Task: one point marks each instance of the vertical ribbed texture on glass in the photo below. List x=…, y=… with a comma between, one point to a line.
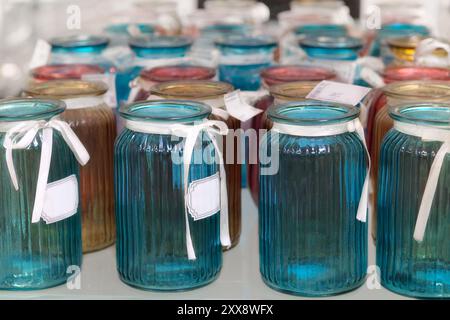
x=35, y=256
x=150, y=215
x=408, y=267
x=310, y=240
x=96, y=128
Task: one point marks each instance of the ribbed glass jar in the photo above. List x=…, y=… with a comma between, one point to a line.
x=150, y=77
x=279, y=93
x=212, y=93
x=410, y=267
x=242, y=58
x=150, y=204
x=94, y=123
x=311, y=242
x=63, y=72
x=34, y=255
x=392, y=94
x=150, y=52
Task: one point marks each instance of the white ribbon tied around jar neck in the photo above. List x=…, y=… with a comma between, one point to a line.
x=191, y=134
x=20, y=135
x=331, y=130
x=427, y=134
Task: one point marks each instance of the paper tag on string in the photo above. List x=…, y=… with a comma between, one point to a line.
x=238, y=108
x=41, y=54
x=338, y=92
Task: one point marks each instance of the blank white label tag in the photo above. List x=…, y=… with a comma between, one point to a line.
x=134, y=31
x=239, y=109
x=204, y=197
x=61, y=199
x=110, y=80
x=41, y=54
x=338, y=92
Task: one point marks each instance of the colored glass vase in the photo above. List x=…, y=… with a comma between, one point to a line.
x=36, y=252
x=413, y=251
x=311, y=242
x=212, y=93
x=94, y=123
x=164, y=240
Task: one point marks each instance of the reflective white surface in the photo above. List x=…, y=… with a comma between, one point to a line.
x=239, y=279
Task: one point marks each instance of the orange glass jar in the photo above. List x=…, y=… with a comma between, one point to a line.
x=212, y=93
x=94, y=123
x=391, y=95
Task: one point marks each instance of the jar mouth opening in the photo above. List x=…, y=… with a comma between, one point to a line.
x=191, y=89
x=29, y=109
x=160, y=42
x=416, y=73
x=292, y=90
x=66, y=89
x=65, y=71
x=79, y=41
x=404, y=29
x=122, y=28
x=247, y=42
x=409, y=42
x=328, y=42
x=291, y=73
x=170, y=111
x=226, y=28
x=418, y=90
x=312, y=113
x=178, y=72
x=320, y=28
x=429, y=114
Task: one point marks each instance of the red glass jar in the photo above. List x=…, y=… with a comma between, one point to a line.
x=63, y=72
x=150, y=77
x=291, y=73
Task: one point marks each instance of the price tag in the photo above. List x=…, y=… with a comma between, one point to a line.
x=134, y=30
x=61, y=200
x=204, y=197
x=338, y=92
x=239, y=109
x=41, y=54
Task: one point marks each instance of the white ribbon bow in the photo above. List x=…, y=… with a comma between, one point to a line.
x=427, y=134
x=425, y=56
x=20, y=135
x=191, y=133
x=330, y=130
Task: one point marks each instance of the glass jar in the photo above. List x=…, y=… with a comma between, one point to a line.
x=35, y=254
x=150, y=52
x=405, y=73
x=337, y=30
x=331, y=48
x=292, y=73
x=150, y=77
x=153, y=223
x=279, y=93
x=120, y=33
x=89, y=117
x=243, y=58
x=413, y=254
x=396, y=93
x=212, y=93
x=63, y=72
x=84, y=49
x=401, y=50
x=312, y=244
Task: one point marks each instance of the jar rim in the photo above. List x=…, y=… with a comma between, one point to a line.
x=191, y=89
x=65, y=71
x=159, y=42
x=329, y=42
x=226, y=27
x=302, y=73
x=405, y=73
x=431, y=89
x=66, y=89
x=247, y=42
x=177, y=72
x=429, y=114
x=122, y=27
x=79, y=41
x=292, y=90
x=27, y=109
x=312, y=113
x=410, y=42
x=177, y=111
x=319, y=27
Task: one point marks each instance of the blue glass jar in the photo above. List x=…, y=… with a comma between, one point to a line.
x=85, y=49
x=395, y=30
x=337, y=30
x=35, y=255
x=331, y=48
x=242, y=58
x=120, y=33
x=413, y=253
x=311, y=242
x=152, y=225
x=150, y=52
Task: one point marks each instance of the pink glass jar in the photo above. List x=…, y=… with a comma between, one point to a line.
x=63, y=72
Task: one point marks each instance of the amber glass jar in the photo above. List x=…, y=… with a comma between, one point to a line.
x=93, y=121
x=150, y=77
x=391, y=95
x=403, y=49
x=212, y=93
x=279, y=93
